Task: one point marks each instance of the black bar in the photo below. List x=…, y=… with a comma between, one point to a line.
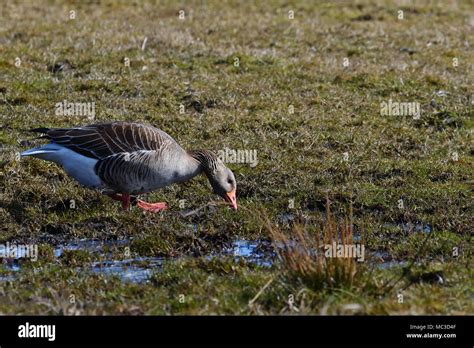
x=239, y=329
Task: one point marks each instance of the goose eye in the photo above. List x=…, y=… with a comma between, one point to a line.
x=229, y=181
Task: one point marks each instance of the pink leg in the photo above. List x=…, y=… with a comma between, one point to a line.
x=124, y=198
x=125, y=201
x=153, y=207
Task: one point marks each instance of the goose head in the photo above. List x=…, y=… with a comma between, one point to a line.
x=220, y=177
x=223, y=183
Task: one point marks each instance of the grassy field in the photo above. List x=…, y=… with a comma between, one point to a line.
x=301, y=83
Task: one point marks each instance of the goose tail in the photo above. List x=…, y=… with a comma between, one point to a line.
x=41, y=152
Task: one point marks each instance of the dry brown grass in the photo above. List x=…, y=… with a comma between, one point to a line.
x=303, y=253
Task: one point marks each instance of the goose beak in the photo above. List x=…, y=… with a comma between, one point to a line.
x=231, y=198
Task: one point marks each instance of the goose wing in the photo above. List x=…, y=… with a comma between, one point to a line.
x=103, y=140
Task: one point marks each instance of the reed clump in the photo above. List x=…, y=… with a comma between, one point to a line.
x=320, y=257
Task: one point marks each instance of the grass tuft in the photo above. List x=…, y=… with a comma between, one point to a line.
x=304, y=253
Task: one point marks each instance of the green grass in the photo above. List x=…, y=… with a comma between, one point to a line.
x=282, y=63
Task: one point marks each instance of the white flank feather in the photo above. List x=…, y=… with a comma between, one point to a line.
x=76, y=165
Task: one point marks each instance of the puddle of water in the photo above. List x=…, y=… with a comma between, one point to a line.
x=251, y=251
x=410, y=227
x=10, y=265
x=135, y=270
x=130, y=270
x=384, y=260
x=285, y=218
x=391, y=264
x=141, y=269
x=87, y=245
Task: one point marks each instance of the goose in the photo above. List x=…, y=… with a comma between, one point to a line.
x=126, y=159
